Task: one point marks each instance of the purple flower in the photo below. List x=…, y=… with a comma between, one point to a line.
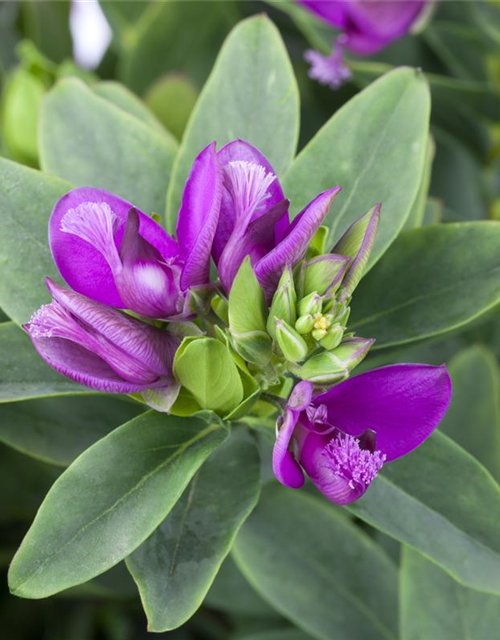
x=101, y=347
x=343, y=437
x=254, y=219
x=109, y=251
x=367, y=26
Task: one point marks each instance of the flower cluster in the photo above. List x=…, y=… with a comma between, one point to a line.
x=144, y=317
x=366, y=27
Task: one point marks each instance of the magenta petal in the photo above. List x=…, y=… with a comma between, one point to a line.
x=402, y=404
x=239, y=150
x=152, y=348
x=294, y=245
x=332, y=11
x=198, y=217
x=286, y=469
x=83, y=266
x=336, y=488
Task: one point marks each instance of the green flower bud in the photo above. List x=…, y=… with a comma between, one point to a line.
x=305, y=324
x=248, y=317
x=353, y=350
x=324, y=368
x=333, y=337
x=284, y=302
x=310, y=304
x=220, y=307
x=291, y=343
x=318, y=334
x=343, y=316
x=318, y=243
x=322, y=274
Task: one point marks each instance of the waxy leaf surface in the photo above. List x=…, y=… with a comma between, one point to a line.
x=91, y=142
x=431, y=280
x=442, y=502
x=433, y=605
x=356, y=150
x=251, y=94
x=175, y=567
x=57, y=430
x=110, y=500
x=26, y=201
x=318, y=569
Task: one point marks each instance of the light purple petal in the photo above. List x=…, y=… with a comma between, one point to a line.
x=258, y=240
x=81, y=264
x=146, y=284
x=286, y=469
x=152, y=348
x=294, y=245
x=235, y=151
x=328, y=70
x=198, y=217
x=402, y=404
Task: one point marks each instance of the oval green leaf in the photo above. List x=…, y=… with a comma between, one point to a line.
x=110, y=500
x=175, y=567
x=356, y=149
x=431, y=280
x=433, y=605
x=251, y=94
x=473, y=419
x=89, y=141
x=311, y=563
x=442, y=502
x=57, y=430
x=26, y=201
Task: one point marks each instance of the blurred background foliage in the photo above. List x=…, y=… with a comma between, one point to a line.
x=162, y=53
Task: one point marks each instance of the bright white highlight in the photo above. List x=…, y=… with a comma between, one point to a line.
x=90, y=31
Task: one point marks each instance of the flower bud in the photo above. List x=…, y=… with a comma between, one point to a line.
x=291, y=343
x=333, y=337
x=322, y=274
x=352, y=351
x=305, y=324
x=284, y=302
x=324, y=368
x=312, y=304
x=248, y=317
x=318, y=243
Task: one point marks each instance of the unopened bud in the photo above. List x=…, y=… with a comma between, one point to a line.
x=305, y=324
x=352, y=351
x=333, y=337
x=291, y=343
x=284, y=302
x=318, y=243
x=324, y=368
x=312, y=304
x=323, y=274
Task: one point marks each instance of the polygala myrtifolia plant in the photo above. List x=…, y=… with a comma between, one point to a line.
x=234, y=336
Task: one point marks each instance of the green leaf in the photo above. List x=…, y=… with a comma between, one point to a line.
x=232, y=594
x=356, y=150
x=57, y=430
x=26, y=201
x=433, y=605
x=205, y=367
x=431, y=280
x=161, y=41
x=172, y=99
x=110, y=500
x=417, y=213
x=311, y=564
x=251, y=94
x=442, y=502
x=88, y=140
x=23, y=485
x=23, y=373
x=123, y=98
x=277, y=634
x=473, y=419
x=175, y=567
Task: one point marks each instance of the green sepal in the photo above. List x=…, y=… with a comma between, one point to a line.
x=353, y=350
x=324, y=368
x=292, y=344
x=317, y=245
x=248, y=317
x=220, y=307
x=284, y=303
x=322, y=274
x=304, y=324
x=205, y=367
